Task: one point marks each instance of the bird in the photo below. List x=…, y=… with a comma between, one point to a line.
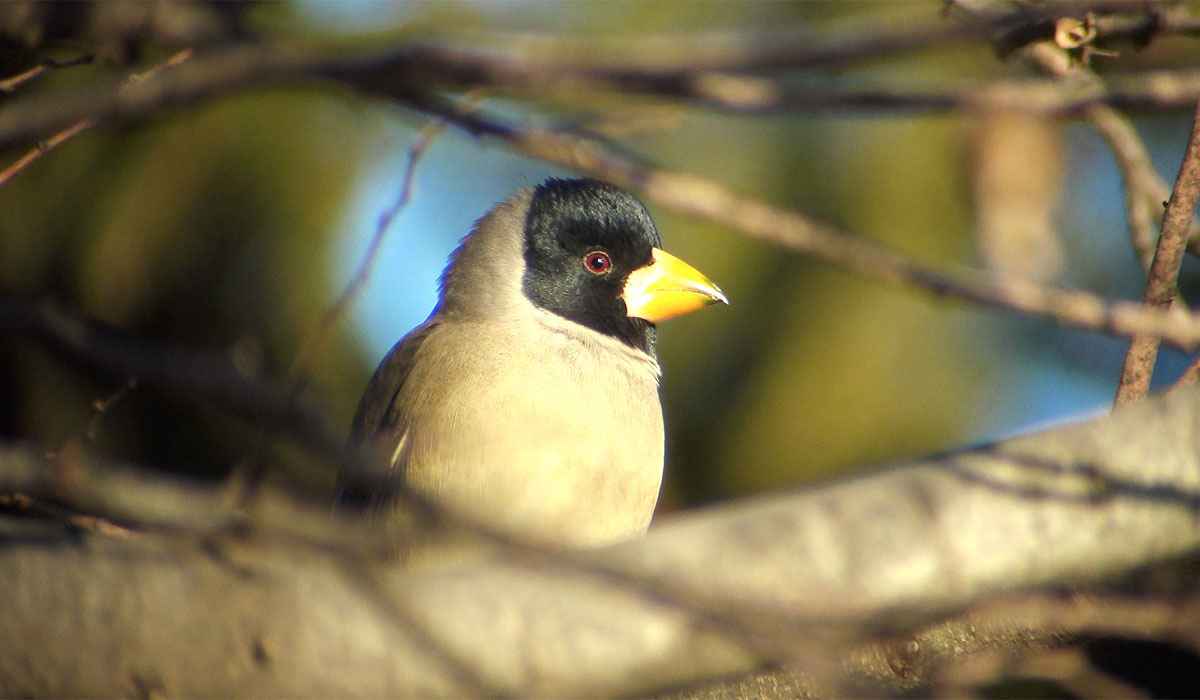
x=529, y=400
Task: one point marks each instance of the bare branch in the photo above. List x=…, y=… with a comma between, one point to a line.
x=816, y=573
x=835, y=579
x=432, y=66
x=333, y=315
x=81, y=126
x=246, y=65
x=805, y=47
x=1163, y=279
x=1051, y=496
x=34, y=154
x=192, y=373
x=1142, y=183
x=711, y=201
x=8, y=85
x=411, y=67
x=1169, y=619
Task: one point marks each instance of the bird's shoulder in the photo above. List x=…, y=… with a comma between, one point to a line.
x=378, y=408
x=378, y=425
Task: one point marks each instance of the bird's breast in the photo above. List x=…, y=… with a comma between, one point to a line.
x=560, y=441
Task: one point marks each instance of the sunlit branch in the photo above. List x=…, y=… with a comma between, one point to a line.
x=1163, y=279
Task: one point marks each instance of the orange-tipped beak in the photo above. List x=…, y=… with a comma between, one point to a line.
x=668, y=287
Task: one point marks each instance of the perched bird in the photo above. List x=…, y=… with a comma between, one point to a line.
x=529, y=400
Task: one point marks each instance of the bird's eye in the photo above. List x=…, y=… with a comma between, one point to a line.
x=597, y=262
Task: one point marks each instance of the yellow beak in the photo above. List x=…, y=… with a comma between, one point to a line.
x=668, y=287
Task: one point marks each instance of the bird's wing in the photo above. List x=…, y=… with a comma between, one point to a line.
x=379, y=427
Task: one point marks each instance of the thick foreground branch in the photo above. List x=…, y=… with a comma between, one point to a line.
x=294, y=600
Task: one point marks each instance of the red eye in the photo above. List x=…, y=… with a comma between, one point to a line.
x=597, y=262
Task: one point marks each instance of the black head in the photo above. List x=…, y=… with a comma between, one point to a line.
x=582, y=239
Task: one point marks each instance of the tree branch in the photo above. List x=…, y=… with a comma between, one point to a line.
x=10, y=84
x=1163, y=279
x=395, y=73
x=803, y=47
x=281, y=601
x=83, y=125
x=711, y=201
x=410, y=66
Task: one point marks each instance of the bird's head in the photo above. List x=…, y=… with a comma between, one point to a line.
x=593, y=255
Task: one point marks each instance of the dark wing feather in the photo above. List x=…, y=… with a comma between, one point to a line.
x=378, y=422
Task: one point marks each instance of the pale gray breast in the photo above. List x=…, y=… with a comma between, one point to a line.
x=537, y=426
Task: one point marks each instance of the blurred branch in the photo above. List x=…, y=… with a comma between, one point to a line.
x=407, y=73
x=1172, y=619
x=781, y=594
x=85, y=124
x=432, y=67
x=426, y=67
x=194, y=374
x=822, y=576
x=218, y=72
x=43, y=147
x=276, y=410
x=792, y=48
x=9, y=85
x=1142, y=185
x=805, y=47
x=711, y=201
x=1163, y=279
x=1145, y=191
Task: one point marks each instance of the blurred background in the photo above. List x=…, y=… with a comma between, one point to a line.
x=232, y=226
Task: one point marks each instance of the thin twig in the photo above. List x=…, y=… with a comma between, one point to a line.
x=247, y=478
x=175, y=59
x=27, y=505
x=9, y=85
x=333, y=315
x=1163, y=279
x=34, y=154
x=63, y=463
x=710, y=201
x=1144, y=188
